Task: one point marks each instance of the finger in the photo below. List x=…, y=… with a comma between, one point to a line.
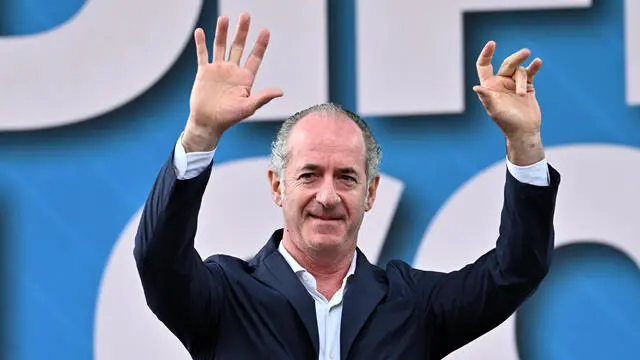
x=511, y=63
x=532, y=69
x=483, y=64
x=486, y=98
x=484, y=94
x=235, y=54
x=220, y=41
x=520, y=78
x=263, y=97
x=257, y=54
x=201, y=47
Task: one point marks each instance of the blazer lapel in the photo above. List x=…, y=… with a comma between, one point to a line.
x=365, y=290
x=273, y=270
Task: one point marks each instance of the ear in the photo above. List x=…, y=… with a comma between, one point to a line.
x=372, y=189
x=274, y=182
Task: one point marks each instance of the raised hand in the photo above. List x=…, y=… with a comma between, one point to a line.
x=222, y=91
x=510, y=100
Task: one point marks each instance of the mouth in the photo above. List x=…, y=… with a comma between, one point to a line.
x=325, y=218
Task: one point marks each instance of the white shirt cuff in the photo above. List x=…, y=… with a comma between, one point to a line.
x=535, y=174
x=190, y=165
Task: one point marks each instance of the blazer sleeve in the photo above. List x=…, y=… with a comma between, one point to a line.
x=469, y=302
x=184, y=292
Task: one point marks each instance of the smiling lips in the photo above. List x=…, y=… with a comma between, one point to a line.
x=326, y=217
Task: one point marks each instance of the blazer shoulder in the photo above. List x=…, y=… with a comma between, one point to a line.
x=229, y=264
x=399, y=272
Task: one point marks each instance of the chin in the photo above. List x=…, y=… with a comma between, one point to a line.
x=325, y=240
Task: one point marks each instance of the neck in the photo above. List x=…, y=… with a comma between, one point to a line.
x=329, y=267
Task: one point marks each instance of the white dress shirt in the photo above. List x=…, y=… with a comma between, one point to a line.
x=329, y=312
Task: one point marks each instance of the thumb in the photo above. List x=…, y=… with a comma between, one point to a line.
x=260, y=99
x=485, y=95
x=482, y=92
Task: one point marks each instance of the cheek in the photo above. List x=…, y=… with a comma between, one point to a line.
x=295, y=201
x=355, y=203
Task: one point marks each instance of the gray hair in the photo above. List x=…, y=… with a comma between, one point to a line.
x=280, y=151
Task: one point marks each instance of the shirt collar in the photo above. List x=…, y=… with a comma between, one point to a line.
x=297, y=268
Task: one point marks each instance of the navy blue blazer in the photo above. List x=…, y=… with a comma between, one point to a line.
x=228, y=308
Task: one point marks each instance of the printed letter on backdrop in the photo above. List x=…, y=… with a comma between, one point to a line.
x=415, y=47
x=102, y=58
x=578, y=217
x=632, y=50
x=297, y=58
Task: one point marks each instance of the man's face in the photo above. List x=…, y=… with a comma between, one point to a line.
x=325, y=185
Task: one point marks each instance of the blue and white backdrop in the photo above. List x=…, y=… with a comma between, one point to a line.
x=94, y=94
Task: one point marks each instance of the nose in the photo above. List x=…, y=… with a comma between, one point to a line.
x=327, y=195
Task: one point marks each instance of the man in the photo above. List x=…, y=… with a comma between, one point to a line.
x=310, y=293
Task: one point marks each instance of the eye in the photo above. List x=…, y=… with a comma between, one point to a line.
x=306, y=176
x=348, y=178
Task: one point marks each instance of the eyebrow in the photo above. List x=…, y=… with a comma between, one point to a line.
x=309, y=167
x=348, y=171
x=313, y=167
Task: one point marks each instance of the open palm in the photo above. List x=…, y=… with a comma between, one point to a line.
x=509, y=96
x=222, y=91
